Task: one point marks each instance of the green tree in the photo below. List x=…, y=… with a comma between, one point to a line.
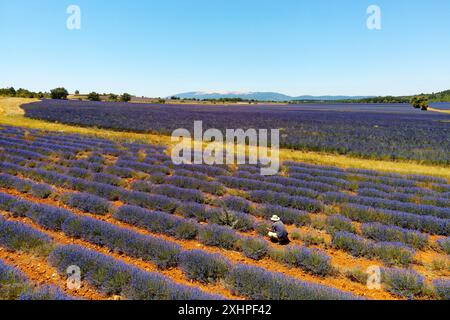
x=77, y=92
x=125, y=97
x=59, y=93
x=113, y=97
x=420, y=102
x=94, y=96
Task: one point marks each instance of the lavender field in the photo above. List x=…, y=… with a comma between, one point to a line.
x=141, y=228
x=395, y=132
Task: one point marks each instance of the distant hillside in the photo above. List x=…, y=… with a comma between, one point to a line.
x=443, y=96
x=258, y=96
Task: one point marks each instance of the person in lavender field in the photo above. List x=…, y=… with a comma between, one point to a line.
x=278, y=233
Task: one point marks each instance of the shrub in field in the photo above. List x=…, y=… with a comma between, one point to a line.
x=312, y=261
x=237, y=204
x=142, y=186
x=203, y=267
x=253, y=248
x=102, y=190
x=158, y=222
x=179, y=193
x=286, y=200
x=403, y=283
x=23, y=186
x=151, y=201
x=194, y=210
x=393, y=253
x=10, y=168
x=41, y=191
x=185, y=229
x=335, y=223
x=218, y=236
x=287, y=215
x=442, y=288
x=311, y=238
x=87, y=203
x=107, y=179
x=12, y=282
x=357, y=275
x=48, y=217
x=351, y=243
x=120, y=172
x=158, y=178
x=444, y=244
x=97, y=158
x=259, y=284
x=79, y=173
x=20, y=208
x=19, y=237
x=7, y=181
x=45, y=292
x=380, y=232
x=262, y=228
x=237, y=220
x=6, y=201
x=114, y=277
x=161, y=252
x=211, y=187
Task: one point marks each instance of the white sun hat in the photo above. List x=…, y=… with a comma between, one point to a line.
x=275, y=218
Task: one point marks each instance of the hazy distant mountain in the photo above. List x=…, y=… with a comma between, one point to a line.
x=259, y=96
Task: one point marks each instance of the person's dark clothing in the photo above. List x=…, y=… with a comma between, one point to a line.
x=279, y=228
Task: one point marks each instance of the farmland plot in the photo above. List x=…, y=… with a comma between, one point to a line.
x=139, y=227
x=392, y=132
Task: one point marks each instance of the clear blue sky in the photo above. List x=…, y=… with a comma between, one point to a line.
x=161, y=47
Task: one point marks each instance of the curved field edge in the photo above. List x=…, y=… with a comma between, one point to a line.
x=11, y=114
x=439, y=110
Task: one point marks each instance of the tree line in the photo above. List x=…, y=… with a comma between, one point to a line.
x=62, y=94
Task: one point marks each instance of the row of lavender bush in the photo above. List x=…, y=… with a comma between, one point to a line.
x=392, y=253
x=379, y=203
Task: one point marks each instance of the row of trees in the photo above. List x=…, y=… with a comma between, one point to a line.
x=22, y=93
x=61, y=94
x=94, y=96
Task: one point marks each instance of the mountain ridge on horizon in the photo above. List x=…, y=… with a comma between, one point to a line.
x=259, y=96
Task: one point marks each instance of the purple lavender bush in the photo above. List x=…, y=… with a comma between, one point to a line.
x=203, y=267
x=17, y=236
x=404, y=283
x=218, y=236
x=253, y=248
x=312, y=261
x=113, y=277
x=259, y=284
x=87, y=203
x=442, y=288
x=162, y=253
